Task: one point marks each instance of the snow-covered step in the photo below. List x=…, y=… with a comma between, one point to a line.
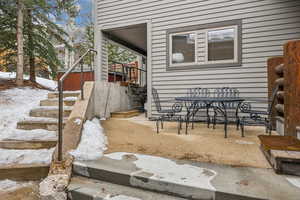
x=49, y=124
x=82, y=188
x=27, y=135
x=68, y=101
x=23, y=144
x=24, y=172
x=25, y=164
x=32, y=156
x=49, y=111
x=66, y=94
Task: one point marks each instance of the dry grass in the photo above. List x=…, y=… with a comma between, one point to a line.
x=137, y=135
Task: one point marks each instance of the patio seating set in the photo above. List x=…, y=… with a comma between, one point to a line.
x=214, y=106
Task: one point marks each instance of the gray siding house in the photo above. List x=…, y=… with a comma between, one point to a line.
x=198, y=43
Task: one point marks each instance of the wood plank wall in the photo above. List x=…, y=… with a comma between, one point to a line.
x=292, y=87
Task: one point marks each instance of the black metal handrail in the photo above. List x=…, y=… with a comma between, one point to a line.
x=60, y=97
x=126, y=72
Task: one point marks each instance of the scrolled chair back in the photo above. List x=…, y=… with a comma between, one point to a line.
x=198, y=92
x=156, y=99
x=227, y=92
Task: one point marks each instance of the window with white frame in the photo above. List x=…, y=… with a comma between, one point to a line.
x=217, y=44
x=221, y=45
x=182, y=48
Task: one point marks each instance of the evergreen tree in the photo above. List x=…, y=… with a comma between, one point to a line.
x=40, y=32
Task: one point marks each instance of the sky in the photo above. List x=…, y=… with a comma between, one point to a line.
x=81, y=21
x=85, y=10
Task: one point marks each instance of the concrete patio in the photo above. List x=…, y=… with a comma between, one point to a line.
x=138, y=135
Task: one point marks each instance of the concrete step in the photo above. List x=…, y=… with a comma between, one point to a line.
x=22, y=144
x=49, y=111
x=24, y=172
x=49, y=124
x=184, y=179
x=68, y=101
x=52, y=95
x=125, y=114
x=127, y=174
x=83, y=188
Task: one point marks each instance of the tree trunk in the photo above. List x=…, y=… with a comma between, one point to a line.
x=31, y=48
x=20, y=61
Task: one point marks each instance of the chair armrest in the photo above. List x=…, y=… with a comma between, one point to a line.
x=177, y=107
x=245, y=107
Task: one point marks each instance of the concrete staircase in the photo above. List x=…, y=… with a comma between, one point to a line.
x=128, y=178
x=105, y=179
x=41, y=120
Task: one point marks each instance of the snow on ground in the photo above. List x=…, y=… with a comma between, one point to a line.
x=294, y=181
x=42, y=81
x=70, y=98
x=41, y=156
x=7, y=185
x=120, y=197
x=170, y=171
x=93, y=141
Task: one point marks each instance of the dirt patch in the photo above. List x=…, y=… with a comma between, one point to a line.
x=8, y=84
x=201, y=144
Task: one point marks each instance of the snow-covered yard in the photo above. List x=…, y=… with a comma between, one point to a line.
x=42, y=81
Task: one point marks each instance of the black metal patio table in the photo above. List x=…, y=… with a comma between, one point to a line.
x=218, y=103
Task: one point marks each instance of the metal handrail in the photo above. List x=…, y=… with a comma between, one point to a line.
x=60, y=97
x=128, y=71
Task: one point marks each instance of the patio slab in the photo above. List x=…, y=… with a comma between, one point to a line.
x=187, y=179
x=138, y=135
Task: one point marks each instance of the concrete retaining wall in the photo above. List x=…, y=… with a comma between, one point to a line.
x=111, y=97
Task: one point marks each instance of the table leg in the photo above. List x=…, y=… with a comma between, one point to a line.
x=237, y=118
x=225, y=118
x=207, y=115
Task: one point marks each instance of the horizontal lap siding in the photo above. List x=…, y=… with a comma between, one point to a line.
x=104, y=69
x=266, y=26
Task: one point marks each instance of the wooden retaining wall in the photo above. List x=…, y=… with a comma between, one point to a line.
x=285, y=71
x=292, y=87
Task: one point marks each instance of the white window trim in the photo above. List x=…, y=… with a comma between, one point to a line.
x=235, y=60
x=171, y=64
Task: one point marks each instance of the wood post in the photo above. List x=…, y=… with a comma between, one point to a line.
x=292, y=87
x=273, y=64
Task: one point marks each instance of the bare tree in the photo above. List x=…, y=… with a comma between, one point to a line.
x=20, y=61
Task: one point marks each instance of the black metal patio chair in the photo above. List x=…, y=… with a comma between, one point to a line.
x=231, y=107
x=194, y=108
x=166, y=114
x=258, y=117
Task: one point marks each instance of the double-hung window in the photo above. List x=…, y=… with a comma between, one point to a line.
x=213, y=45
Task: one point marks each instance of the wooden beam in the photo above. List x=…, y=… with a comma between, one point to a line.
x=292, y=87
x=273, y=64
